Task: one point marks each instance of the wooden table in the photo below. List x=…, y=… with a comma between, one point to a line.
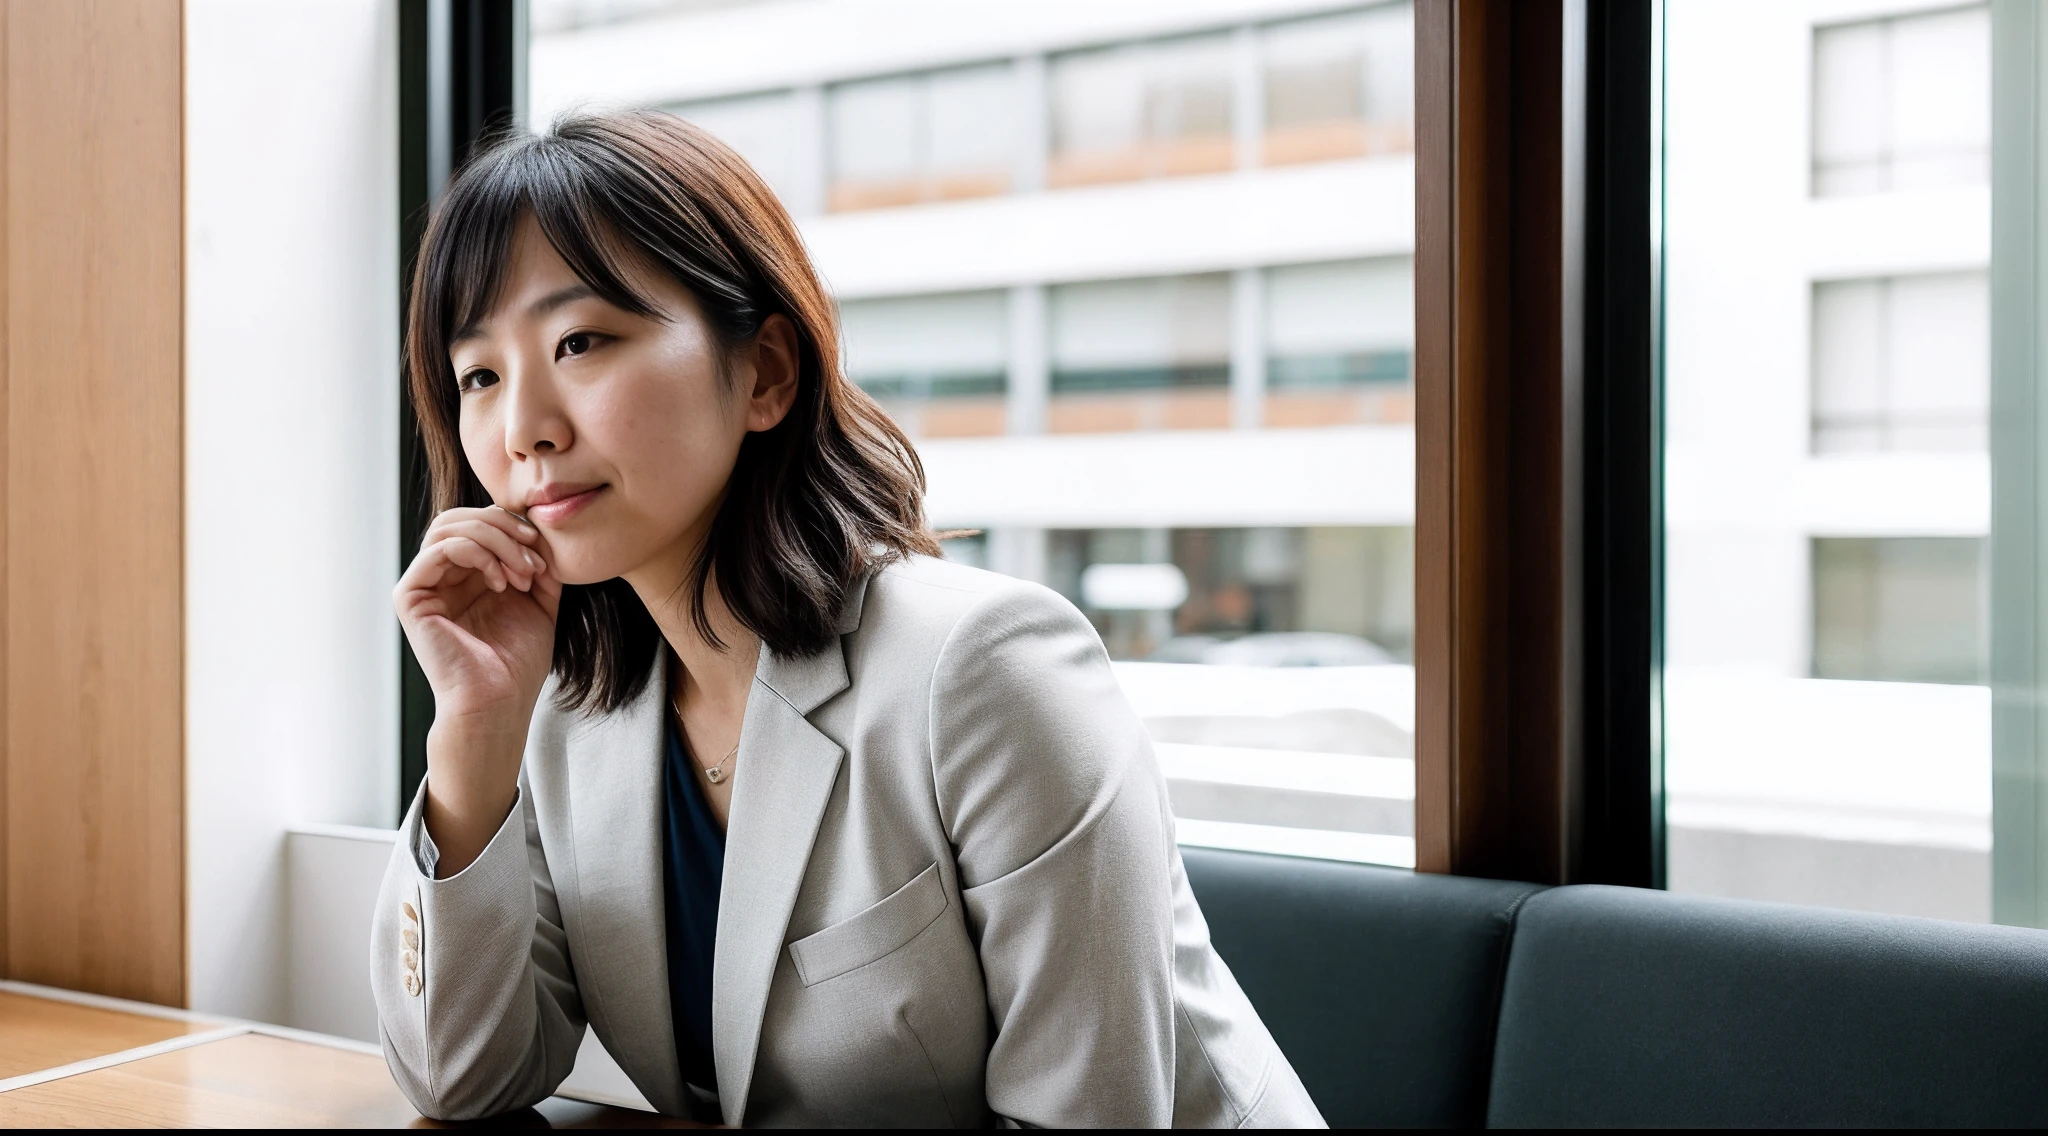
x=76, y=1061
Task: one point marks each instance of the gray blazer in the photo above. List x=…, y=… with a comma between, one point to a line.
x=952, y=895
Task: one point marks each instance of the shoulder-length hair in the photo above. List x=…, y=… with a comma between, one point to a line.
x=812, y=505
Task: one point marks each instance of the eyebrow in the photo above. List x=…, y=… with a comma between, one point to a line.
x=548, y=303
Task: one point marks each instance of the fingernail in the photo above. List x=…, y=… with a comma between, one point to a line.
x=532, y=561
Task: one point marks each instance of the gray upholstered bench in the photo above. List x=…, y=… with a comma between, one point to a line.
x=1415, y=1000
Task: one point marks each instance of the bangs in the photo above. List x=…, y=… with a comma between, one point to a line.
x=465, y=268
x=595, y=212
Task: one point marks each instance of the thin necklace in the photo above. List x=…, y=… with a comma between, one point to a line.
x=716, y=774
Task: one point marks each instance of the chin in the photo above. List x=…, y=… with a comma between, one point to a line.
x=578, y=566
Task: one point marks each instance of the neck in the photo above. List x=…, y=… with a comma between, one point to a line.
x=711, y=676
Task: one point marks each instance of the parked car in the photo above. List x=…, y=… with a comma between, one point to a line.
x=1275, y=649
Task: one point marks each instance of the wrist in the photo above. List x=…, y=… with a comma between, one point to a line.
x=472, y=785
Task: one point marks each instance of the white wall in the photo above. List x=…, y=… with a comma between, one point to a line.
x=290, y=461
x=335, y=871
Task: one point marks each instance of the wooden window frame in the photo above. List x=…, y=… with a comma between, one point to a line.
x=1537, y=443
x=462, y=73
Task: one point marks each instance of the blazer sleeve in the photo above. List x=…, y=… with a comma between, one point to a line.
x=1058, y=813
x=476, y=999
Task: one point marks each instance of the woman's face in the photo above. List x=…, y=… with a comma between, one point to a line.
x=614, y=433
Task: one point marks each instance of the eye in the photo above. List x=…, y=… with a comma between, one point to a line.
x=476, y=380
x=574, y=343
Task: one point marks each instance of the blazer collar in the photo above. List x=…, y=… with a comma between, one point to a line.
x=808, y=682
x=782, y=782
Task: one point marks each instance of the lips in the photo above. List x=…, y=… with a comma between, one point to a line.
x=554, y=503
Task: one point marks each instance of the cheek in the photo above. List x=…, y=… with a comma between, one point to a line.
x=671, y=440
x=482, y=444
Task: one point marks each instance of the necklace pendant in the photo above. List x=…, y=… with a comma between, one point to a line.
x=715, y=776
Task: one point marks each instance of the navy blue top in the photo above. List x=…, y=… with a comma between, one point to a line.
x=693, y=862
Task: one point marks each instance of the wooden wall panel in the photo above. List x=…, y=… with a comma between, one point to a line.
x=93, y=494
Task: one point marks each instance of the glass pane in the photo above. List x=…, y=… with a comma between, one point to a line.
x=1827, y=500
x=1123, y=382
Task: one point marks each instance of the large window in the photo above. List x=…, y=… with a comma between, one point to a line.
x=1130, y=287
x=1828, y=374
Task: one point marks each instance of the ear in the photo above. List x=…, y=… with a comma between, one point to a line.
x=775, y=369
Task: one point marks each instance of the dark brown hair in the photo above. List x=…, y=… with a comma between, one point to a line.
x=812, y=505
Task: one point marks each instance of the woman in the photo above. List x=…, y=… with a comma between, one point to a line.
x=811, y=826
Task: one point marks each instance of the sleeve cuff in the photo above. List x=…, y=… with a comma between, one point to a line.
x=425, y=855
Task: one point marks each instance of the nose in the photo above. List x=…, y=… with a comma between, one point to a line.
x=536, y=422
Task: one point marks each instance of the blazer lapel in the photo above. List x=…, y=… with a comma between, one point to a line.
x=782, y=781
x=615, y=804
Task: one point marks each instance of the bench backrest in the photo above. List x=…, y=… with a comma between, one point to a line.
x=1381, y=986
x=1419, y=1000
x=1626, y=1007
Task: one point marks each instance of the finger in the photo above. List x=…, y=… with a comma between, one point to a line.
x=521, y=528
x=514, y=525
x=445, y=518
x=467, y=553
x=547, y=592
x=438, y=577
x=519, y=561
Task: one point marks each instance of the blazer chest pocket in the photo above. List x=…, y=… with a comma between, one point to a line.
x=872, y=934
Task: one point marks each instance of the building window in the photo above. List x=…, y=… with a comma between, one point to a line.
x=1340, y=342
x=764, y=129
x=1892, y=109
x=1901, y=363
x=1900, y=609
x=1140, y=354
x=936, y=362
x=929, y=137
x=1339, y=86
x=1142, y=110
